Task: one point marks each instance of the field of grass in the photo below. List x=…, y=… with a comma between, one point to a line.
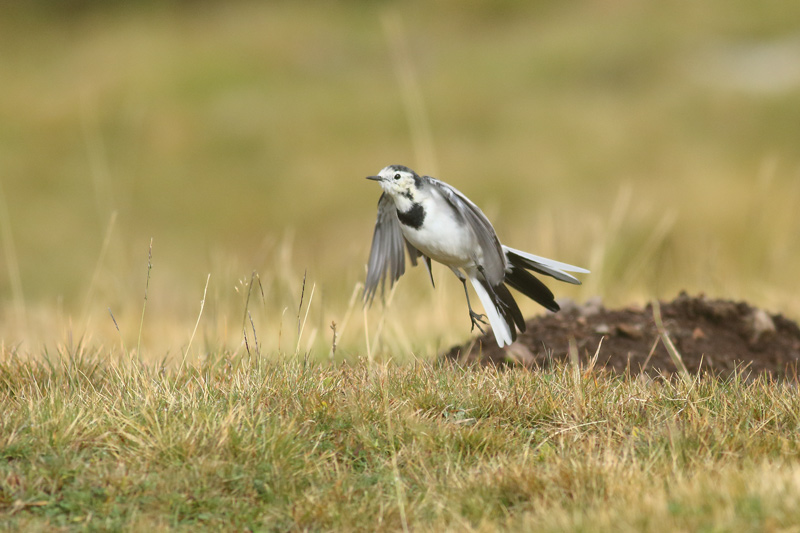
x=250, y=444
x=173, y=174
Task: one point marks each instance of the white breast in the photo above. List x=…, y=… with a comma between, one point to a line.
x=442, y=236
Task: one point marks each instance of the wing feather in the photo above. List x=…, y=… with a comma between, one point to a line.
x=387, y=255
x=493, y=257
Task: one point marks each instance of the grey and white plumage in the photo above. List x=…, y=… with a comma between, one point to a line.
x=428, y=218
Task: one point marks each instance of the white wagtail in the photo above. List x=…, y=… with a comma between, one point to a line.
x=429, y=218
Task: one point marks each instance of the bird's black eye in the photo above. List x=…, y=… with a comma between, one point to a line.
x=397, y=176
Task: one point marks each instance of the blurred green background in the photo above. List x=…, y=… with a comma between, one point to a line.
x=655, y=143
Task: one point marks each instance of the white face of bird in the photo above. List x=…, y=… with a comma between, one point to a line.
x=398, y=181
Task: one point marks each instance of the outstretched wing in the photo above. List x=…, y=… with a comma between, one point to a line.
x=387, y=256
x=493, y=257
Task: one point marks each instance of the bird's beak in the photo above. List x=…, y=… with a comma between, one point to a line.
x=375, y=178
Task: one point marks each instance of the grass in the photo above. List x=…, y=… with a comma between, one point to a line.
x=232, y=137
x=237, y=443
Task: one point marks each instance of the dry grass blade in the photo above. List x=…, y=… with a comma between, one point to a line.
x=665, y=339
x=302, y=325
x=194, y=331
x=247, y=311
x=300, y=306
x=255, y=336
x=144, y=304
x=593, y=361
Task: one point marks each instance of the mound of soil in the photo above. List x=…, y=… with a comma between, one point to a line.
x=715, y=336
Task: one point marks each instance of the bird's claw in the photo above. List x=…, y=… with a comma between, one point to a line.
x=477, y=320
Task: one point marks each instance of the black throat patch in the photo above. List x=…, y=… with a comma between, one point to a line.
x=412, y=218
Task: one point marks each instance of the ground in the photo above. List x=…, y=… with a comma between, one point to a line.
x=710, y=335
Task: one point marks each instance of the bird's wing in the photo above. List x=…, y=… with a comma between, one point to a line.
x=493, y=257
x=387, y=256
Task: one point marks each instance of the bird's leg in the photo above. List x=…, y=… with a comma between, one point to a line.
x=477, y=319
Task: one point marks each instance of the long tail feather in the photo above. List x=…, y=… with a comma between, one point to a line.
x=542, y=265
x=506, y=306
x=531, y=286
x=502, y=323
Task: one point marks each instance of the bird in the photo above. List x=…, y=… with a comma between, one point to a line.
x=425, y=217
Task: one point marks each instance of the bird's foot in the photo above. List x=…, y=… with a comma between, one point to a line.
x=477, y=320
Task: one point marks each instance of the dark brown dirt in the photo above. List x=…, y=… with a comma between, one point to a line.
x=715, y=336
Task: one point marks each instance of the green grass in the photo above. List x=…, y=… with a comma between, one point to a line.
x=237, y=443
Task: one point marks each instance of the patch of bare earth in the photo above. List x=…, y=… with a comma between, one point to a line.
x=716, y=336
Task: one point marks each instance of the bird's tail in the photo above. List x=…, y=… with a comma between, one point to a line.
x=542, y=265
x=517, y=275
x=501, y=309
x=530, y=286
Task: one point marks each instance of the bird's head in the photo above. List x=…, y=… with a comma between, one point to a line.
x=398, y=181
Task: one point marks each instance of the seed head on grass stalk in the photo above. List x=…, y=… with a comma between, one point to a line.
x=121, y=340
